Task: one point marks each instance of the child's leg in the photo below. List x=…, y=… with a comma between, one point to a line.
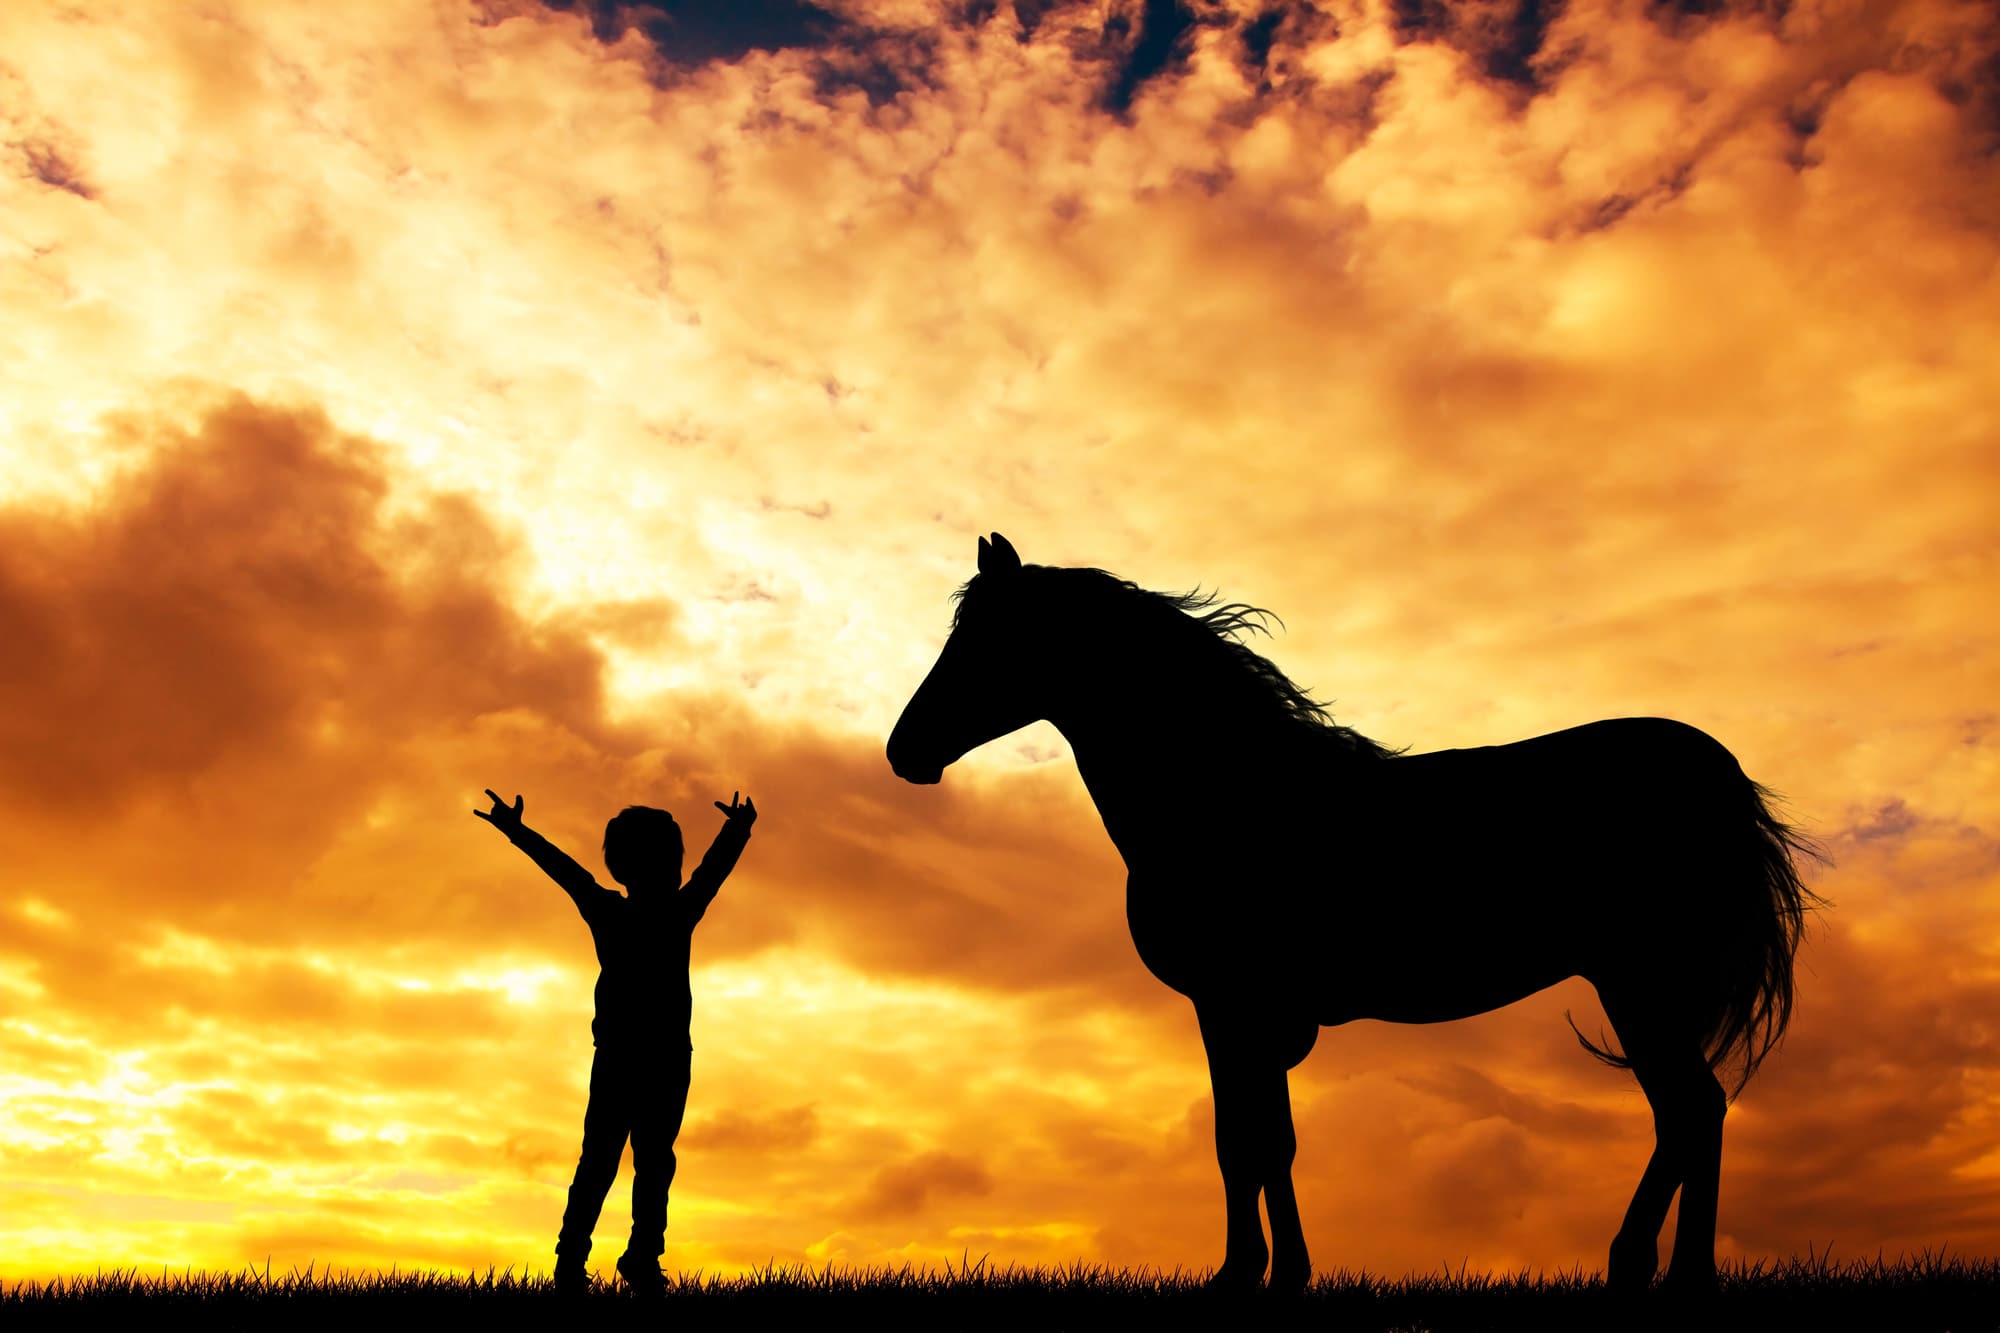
x=606, y=1121
x=656, y=1123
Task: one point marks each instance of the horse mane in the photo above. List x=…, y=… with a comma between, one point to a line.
x=1227, y=622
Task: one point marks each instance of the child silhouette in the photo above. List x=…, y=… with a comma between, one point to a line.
x=639, y=1075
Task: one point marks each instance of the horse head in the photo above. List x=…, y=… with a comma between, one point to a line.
x=981, y=687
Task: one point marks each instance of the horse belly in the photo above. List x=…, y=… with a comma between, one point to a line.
x=1455, y=955
x=1422, y=993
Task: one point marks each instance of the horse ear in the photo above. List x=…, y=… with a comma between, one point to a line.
x=998, y=557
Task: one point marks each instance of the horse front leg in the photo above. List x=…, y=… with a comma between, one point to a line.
x=1254, y=1146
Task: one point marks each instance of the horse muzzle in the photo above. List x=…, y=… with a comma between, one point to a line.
x=922, y=771
x=924, y=775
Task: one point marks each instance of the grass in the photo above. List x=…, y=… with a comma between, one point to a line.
x=1932, y=1291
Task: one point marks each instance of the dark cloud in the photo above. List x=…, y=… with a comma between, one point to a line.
x=1480, y=1097
x=222, y=667
x=1677, y=15
x=1030, y=13
x=909, y=1187
x=1503, y=36
x=1145, y=47
x=1259, y=35
x=1131, y=45
x=845, y=56
x=1976, y=86
x=785, y=1130
x=1892, y=819
x=233, y=603
x=877, y=64
x=50, y=165
x=694, y=32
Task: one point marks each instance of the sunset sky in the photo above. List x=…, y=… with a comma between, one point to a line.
x=402, y=399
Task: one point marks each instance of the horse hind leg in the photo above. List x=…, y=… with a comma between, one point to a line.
x=1699, y=1107
x=1688, y=1106
x=1635, y=1250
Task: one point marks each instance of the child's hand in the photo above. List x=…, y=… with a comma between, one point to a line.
x=745, y=813
x=502, y=816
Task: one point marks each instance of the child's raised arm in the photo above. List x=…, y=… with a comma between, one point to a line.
x=557, y=864
x=720, y=859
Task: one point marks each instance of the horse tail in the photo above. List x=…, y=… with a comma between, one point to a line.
x=1756, y=980
x=1761, y=907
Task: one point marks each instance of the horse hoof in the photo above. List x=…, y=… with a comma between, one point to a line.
x=1290, y=1279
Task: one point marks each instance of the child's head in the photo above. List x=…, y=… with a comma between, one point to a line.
x=642, y=845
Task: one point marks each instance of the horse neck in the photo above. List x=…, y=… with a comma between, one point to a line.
x=1152, y=754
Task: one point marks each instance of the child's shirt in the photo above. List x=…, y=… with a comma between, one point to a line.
x=643, y=941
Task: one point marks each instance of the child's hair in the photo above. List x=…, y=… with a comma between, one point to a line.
x=635, y=835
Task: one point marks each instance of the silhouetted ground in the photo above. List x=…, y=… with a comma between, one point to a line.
x=1931, y=1292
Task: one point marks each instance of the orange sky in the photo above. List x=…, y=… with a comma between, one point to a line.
x=399, y=400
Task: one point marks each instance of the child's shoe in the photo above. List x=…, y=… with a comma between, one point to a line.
x=643, y=1276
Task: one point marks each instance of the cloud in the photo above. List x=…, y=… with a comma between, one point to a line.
x=910, y=1187
x=786, y=1129
x=234, y=606
x=695, y=34
x=268, y=686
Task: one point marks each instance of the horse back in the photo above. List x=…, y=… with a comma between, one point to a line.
x=1466, y=879
x=1500, y=869
x=1595, y=770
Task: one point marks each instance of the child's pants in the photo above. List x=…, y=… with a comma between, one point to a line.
x=641, y=1093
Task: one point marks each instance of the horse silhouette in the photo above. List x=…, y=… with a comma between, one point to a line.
x=1351, y=881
